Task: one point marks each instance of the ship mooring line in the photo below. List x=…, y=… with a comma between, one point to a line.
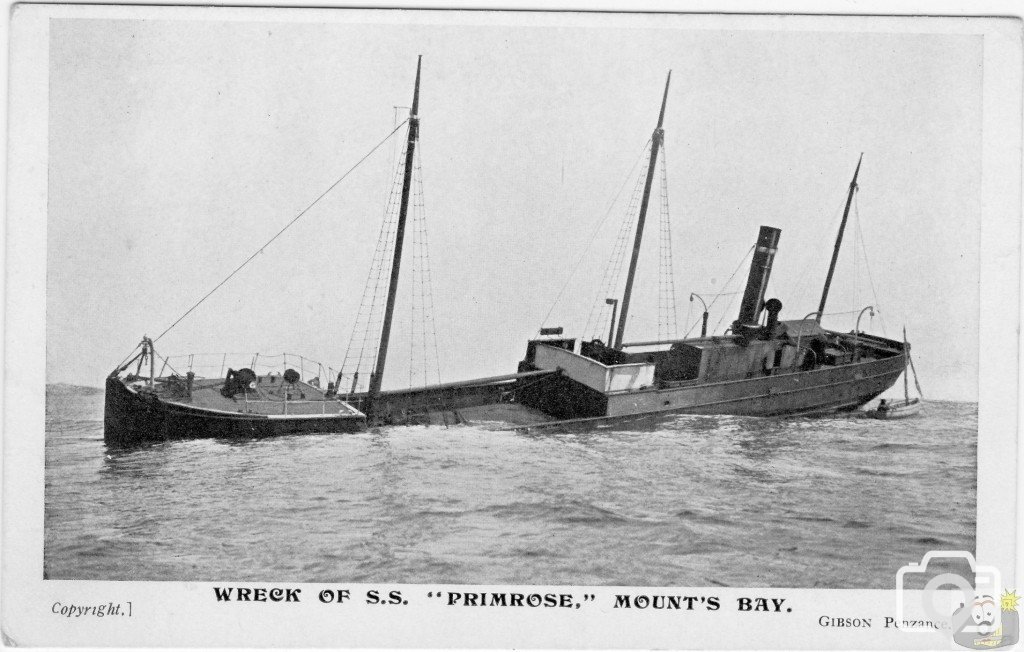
x=285, y=228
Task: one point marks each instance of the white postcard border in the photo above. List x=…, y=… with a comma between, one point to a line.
x=185, y=614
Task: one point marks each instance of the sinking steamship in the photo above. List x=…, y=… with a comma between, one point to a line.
x=765, y=366
x=762, y=366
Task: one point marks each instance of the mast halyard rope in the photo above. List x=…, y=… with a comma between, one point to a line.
x=278, y=234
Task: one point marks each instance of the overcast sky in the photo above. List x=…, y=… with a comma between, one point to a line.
x=178, y=147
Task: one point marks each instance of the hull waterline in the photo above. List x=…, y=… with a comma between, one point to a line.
x=795, y=394
x=133, y=417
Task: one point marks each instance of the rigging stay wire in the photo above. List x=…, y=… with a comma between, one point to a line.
x=613, y=270
x=810, y=255
x=668, y=311
x=424, y=330
x=285, y=228
x=731, y=294
x=425, y=257
x=867, y=265
x=375, y=281
x=856, y=264
x=723, y=294
x=597, y=229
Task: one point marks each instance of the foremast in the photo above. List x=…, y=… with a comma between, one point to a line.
x=657, y=138
x=839, y=241
x=403, y=210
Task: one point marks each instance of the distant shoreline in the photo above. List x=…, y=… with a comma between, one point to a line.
x=88, y=389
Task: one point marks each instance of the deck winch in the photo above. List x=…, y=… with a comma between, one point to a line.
x=238, y=382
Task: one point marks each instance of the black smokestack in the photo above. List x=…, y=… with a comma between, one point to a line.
x=760, y=270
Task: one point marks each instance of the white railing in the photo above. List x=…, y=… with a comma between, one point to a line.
x=216, y=365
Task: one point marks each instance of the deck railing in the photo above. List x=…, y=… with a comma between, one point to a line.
x=216, y=365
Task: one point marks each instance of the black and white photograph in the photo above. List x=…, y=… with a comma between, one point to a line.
x=461, y=308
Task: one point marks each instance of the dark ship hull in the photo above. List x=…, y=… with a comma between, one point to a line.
x=765, y=367
x=786, y=393
x=136, y=415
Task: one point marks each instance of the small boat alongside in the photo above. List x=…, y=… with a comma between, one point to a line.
x=908, y=407
x=888, y=409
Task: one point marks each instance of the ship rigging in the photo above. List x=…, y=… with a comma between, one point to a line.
x=761, y=366
x=248, y=402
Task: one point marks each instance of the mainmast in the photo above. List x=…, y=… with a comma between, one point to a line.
x=839, y=241
x=389, y=309
x=656, y=141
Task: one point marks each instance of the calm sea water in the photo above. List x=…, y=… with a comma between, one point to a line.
x=687, y=501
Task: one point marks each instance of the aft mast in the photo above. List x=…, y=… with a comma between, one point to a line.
x=839, y=241
x=389, y=310
x=656, y=141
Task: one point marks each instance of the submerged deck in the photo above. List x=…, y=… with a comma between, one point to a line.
x=272, y=396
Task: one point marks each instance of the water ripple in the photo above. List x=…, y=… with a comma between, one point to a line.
x=674, y=501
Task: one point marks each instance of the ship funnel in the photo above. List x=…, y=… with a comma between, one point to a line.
x=757, y=282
